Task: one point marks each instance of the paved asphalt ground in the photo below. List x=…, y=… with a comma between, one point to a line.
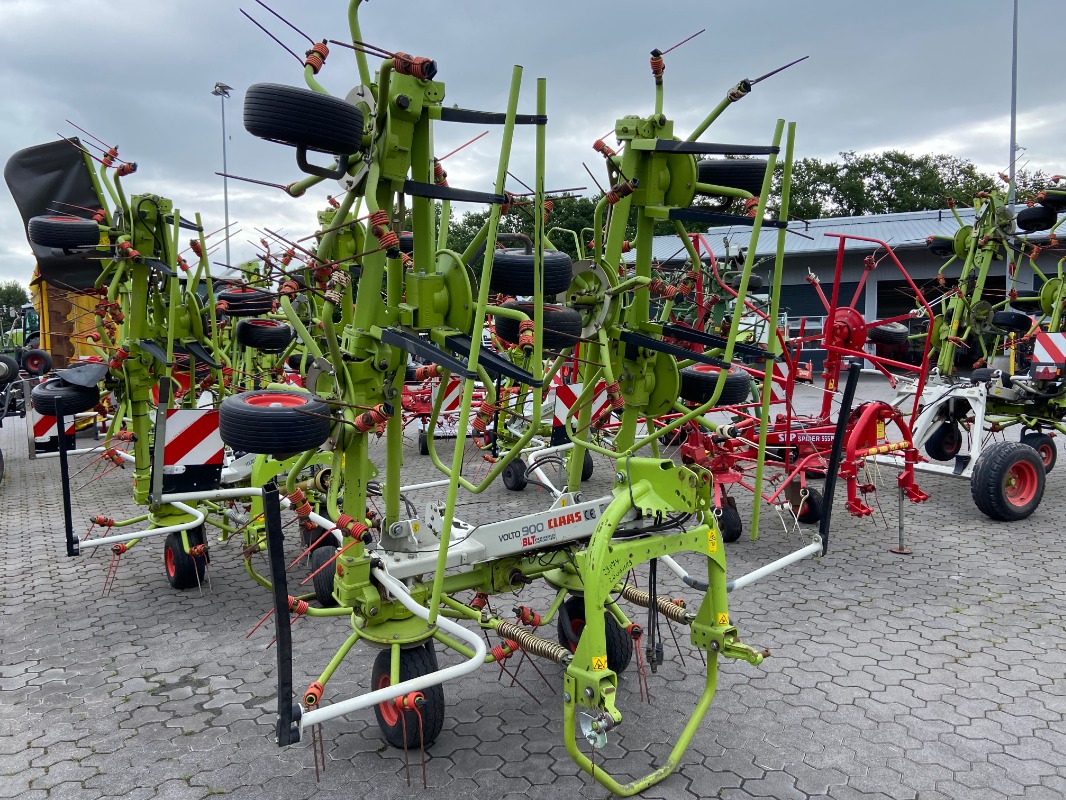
x=936, y=675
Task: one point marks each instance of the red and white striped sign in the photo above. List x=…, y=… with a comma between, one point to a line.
x=45, y=427
x=192, y=438
x=566, y=396
x=453, y=394
x=1050, y=348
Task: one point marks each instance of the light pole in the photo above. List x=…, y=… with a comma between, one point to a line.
x=222, y=91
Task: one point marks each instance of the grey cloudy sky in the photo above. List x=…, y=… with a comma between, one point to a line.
x=920, y=75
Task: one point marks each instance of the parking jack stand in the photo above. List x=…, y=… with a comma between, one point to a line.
x=901, y=549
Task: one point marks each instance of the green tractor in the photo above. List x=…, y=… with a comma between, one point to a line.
x=19, y=346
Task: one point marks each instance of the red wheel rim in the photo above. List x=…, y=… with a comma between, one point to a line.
x=276, y=399
x=264, y=323
x=34, y=363
x=387, y=708
x=1047, y=453
x=709, y=369
x=1020, y=484
x=168, y=559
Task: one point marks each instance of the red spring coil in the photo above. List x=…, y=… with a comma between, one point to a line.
x=525, y=334
x=634, y=631
x=99, y=216
x=416, y=66
x=117, y=315
x=126, y=250
x=506, y=207
x=125, y=436
x=614, y=393
x=298, y=606
x=109, y=157
x=198, y=550
x=183, y=265
x=528, y=616
x=313, y=694
x=194, y=245
x=603, y=148
x=502, y=652
x=93, y=337
x=440, y=177
x=624, y=189
x=626, y=246
x=289, y=288
x=299, y=503
x=409, y=701
x=658, y=66
x=221, y=307
x=431, y=371
x=480, y=601
x=316, y=56
x=484, y=416
x=120, y=356
x=287, y=258
x=119, y=548
x=105, y=522
x=126, y=169
x=351, y=526
x=111, y=454
x=373, y=417
x=548, y=206
x=406, y=260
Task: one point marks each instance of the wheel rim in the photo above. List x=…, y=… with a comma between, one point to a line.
x=265, y=323
x=576, y=627
x=275, y=399
x=1047, y=454
x=34, y=363
x=389, y=715
x=1020, y=484
x=168, y=558
x=706, y=369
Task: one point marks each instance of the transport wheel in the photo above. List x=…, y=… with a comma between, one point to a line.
x=185, y=571
x=945, y=443
x=889, y=333
x=72, y=399
x=1012, y=321
x=729, y=524
x=745, y=174
x=1008, y=481
x=1036, y=218
x=401, y=728
x=246, y=301
x=272, y=422
x=303, y=118
x=323, y=580
x=562, y=325
x=941, y=246
x=66, y=233
x=512, y=272
x=571, y=622
x=37, y=362
x=423, y=443
x=588, y=466
x=9, y=370
x=697, y=383
x=810, y=511
x=514, y=475
x=268, y=335
x=1045, y=447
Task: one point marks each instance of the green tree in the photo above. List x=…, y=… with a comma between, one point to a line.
x=12, y=296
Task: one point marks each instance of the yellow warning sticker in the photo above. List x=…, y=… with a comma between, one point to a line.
x=599, y=663
x=723, y=619
x=712, y=541
x=880, y=429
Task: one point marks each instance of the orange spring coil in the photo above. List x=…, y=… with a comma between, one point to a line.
x=658, y=66
x=287, y=258
x=373, y=417
x=431, y=371
x=298, y=606
x=440, y=177
x=480, y=601
x=409, y=701
x=99, y=216
x=351, y=526
x=603, y=148
x=626, y=246
x=750, y=205
x=119, y=549
x=126, y=169
x=525, y=334
x=127, y=250
x=634, y=631
x=111, y=454
x=194, y=245
x=313, y=694
x=624, y=189
x=106, y=522
x=289, y=287
x=528, y=616
x=109, y=157
x=299, y=503
x=484, y=416
x=406, y=260
x=614, y=393
x=116, y=360
x=125, y=436
x=548, y=206
x=316, y=56
x=502, y=652
x=416, y=66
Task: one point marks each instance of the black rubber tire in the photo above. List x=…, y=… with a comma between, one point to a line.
x=810, y=511
x=697, y=384
x=730, y=524
x=407, y=242
x=941, y=246
x=945, y=443
x=588, y=466
x=273, y=422
x=423, y=443
x=1036, y=218
x=184, y=571
x=571, y=622
x=1054, y=198
x=737, y=173
x=37, y=362
x=246, y=301
x=562, y=325
x=512, y=272
x=72, y=399
x=994, y=483
x=754, y=282
x=1045, y=446
x=9, y=369
x=514, y=476
x=65, y=233
x=1014, y=321
x=298, y=362
x=889, y=333
x=983, y=374
x=323, y=581
x=1027, y=301
x=1, y=466
x=267, y=335
x=414, y=663
x=303, y=118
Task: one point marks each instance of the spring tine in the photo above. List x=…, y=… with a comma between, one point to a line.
x=272, y=36
x=688, y=39
x=276, y=14
x=754, y=81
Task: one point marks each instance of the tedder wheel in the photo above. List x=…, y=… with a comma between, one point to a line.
x=408, y=731
x=729, y=523
x=588, y=466
x=1045, y=447
x=1036, y=218
x=512, y=272
x=72, y=399
x=571, y=623
x=562, y=325
x=246, y=301
x=323, y=580
x=1, y=466
x=302, y=118
x=945, y=443
x=983, y=374
x=268, y=335
x=745, y=174
x=37, y=362
x=185, y=571
x=1012, y=321
x=754, y=282
x=298, y=362
x=514, y=475
x=697, y=383
x=1008, y=481
x=65, y=233
x=273, y=422
x=888, y=333
x=423, y=443
x=941, y=246
x=9, y=369
x=810, y=510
